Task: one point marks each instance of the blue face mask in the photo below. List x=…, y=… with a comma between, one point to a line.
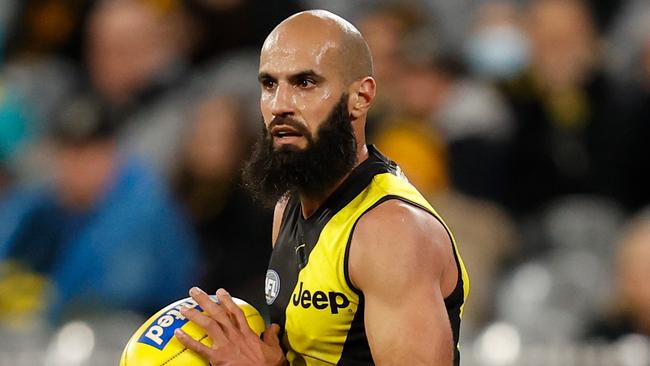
x=499, y=52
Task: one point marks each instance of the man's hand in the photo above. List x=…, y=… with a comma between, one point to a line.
x=233, y=342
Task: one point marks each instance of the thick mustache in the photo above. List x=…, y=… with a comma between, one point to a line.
x=288, y=121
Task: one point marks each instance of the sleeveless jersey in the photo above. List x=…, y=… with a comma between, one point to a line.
x=308, y=287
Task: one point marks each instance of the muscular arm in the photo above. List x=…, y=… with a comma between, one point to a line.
x=401, y=258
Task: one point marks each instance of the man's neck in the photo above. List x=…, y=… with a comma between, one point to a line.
x=311, y=203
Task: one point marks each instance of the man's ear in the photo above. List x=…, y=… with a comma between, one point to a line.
x=362, y=93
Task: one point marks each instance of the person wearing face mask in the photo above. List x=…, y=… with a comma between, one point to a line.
x=497, y=48
x=562, y=106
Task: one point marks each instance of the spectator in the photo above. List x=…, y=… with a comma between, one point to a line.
x=497, y=47
x=564, y=121
x=153, y=40
x=399, y=119
x=148, y=94
x=208, y=183
x=105, y=235
x=384, y=27
x=442, y=126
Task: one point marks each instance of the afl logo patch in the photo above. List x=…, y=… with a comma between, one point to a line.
x=271, y=286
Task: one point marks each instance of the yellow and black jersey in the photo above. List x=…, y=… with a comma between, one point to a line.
x=308, y=287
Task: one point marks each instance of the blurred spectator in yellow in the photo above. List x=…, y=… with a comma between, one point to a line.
x=105, y=234
x=631, y=297
x=384, y=26
x=419, y=152
x=565, y=123
x=408, y=94
x=234, y=232
x=443, y=127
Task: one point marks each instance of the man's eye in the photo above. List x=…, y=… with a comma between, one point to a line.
x=305, y=83
x=268, y=84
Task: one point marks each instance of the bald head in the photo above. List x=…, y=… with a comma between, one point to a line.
x=334, y=39
x=312, y=63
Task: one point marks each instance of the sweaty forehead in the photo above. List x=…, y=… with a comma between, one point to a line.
x=298, y=47
x=319, y=41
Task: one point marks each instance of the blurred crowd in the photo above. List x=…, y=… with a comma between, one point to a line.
x=124, y=125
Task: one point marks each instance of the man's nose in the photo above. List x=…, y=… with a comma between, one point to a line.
x=282, y=103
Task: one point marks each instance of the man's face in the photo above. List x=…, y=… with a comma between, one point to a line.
x=301, y=81
x=275, y=169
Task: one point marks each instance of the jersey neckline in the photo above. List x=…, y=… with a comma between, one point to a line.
x=355, y=182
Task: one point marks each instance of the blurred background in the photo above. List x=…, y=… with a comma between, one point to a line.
x=124, y=125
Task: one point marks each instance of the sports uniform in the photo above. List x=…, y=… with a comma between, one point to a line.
x=308, y=286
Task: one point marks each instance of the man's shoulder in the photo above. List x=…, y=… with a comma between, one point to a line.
x=398, y=221
x=398, y=242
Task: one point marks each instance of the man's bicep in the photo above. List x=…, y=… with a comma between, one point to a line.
x=413, y=329
x=397, y=258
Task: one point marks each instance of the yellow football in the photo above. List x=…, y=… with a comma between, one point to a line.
x=154, y=344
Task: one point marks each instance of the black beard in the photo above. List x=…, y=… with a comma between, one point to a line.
x=272, y=173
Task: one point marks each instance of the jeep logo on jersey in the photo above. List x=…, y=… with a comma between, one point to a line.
x=320, y=300
x=271, y=286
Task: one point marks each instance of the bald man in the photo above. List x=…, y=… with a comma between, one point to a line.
x=363, y=271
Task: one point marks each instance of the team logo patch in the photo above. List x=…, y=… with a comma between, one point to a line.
x=271, y=286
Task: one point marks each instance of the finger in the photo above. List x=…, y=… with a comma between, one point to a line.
x=192, y=344
x=271, y=335
x=233, y=309
x=211, y=327
x=213, y=309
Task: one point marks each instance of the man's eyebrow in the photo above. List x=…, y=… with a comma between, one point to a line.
x=296, y=76
x=264, y=76
x=306, y=73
